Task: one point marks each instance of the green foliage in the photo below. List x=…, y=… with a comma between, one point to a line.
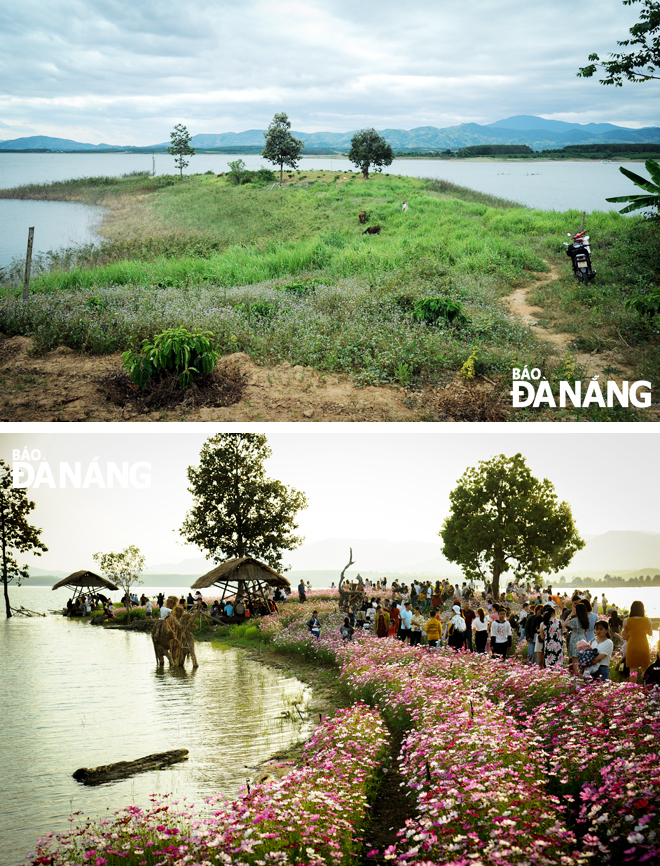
x=123, y=568
x=301, y=287
x=238, y=511
x=431, y=310
x=494, y=150
x=369, y=149
x=17, y=535
x=646, y=305
x=259, y=309
x=236, y=171
x=180, y=147
x=281, y=147
x=652, y=187
x=503, y=519
x=642, y=64
x=176, y=350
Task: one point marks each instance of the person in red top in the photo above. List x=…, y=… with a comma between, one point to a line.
x=468, y=616
x=395, y=619
x=436, y=601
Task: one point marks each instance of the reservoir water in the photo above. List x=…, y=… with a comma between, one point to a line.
x=546, y=185
x=75, y=695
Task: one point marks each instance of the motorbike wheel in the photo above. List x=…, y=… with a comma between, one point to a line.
x=586, y=277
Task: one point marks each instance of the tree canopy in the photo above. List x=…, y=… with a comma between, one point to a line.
x=123, y=568
x=369, y=149
x=281, y=147
x=237, y=510
x=503, y=519
x=642, y=61
x=180, y=147
x=17, y=535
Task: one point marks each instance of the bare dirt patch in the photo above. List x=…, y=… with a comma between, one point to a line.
x=66, y=386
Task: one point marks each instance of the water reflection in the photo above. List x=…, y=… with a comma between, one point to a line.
x=75, y=696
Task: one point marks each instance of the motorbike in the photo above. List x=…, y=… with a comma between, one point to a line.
x=579, y=252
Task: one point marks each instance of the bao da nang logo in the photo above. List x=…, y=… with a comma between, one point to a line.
x=530, y=389
x=30, y=469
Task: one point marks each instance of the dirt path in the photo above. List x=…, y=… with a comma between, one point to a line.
x=596, y=363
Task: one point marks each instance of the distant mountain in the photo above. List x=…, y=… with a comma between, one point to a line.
x=537, y=132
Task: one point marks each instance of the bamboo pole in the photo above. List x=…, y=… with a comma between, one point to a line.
x=28, y=264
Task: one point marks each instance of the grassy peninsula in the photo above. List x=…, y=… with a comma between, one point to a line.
x=286, y=274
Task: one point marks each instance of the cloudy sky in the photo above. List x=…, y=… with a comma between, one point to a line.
x=368, y=481
x=125, y=73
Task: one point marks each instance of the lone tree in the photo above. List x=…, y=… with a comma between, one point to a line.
x=281, y=147
x=503, y=519
x=16, y=533
x=180, y=147
x=238, y=511
x=642, y=61
x=367, y=149
x=122, y=568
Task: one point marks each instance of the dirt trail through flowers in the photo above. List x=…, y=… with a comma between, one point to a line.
x=596, y=363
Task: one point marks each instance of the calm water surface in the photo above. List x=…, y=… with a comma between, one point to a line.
x=75, y=695
x=57, y=224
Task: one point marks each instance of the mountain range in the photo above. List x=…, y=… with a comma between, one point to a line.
x=616, y=553
x=537, y=132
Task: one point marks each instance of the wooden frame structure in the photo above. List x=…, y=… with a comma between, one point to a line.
x=244, y=579
x=83, y=582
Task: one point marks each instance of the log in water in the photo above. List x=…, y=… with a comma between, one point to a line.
x=122, y=769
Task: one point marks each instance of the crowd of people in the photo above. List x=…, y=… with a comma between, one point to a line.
x=580, y=633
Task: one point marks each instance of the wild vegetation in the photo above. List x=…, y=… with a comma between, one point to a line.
x=285, y=274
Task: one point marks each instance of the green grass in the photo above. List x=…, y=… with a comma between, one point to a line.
x=219, y=257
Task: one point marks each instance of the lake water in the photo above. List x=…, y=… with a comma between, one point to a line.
x=75, y=695
x=57, y=224
x=545, y=185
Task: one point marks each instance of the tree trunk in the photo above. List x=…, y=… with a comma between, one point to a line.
x=496, y=580
x=281, y=171
x=365, y=173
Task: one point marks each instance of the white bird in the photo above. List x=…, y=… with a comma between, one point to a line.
x=405, y=207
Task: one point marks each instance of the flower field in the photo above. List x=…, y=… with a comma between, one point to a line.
x=502, y=764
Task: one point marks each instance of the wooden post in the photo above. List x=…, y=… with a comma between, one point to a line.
x=582, y=220
x=28, y=264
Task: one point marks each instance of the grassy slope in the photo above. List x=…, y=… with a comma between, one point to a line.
x=207, y=254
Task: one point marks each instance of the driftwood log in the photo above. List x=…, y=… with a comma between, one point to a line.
x=108, y=772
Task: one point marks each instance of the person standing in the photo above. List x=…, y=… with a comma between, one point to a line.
x=433, y=629
x=406, y=623
x=382, y=622
x=456, y=629
x=579, y=626
x=500, y=635
x=468, y=616
x=605, y=647
x=301, y=591
x=636, y=627
x=480, y=628
x=552, y=635
x=416, y=628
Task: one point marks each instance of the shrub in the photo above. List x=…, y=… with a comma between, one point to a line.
x=176, y=350
x=431, y=310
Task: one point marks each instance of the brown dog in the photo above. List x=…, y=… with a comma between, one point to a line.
x=372, y=230
x=362, y=216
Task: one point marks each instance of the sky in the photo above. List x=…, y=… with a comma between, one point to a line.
x=108, y=71
x=363, y=481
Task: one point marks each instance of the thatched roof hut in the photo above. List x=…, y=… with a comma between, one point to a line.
x=85, y=581
x=243, y=579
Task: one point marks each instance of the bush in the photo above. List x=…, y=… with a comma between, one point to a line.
x=431, y=310
x=176, y=350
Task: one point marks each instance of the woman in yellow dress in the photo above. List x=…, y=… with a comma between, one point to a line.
x=636, y=627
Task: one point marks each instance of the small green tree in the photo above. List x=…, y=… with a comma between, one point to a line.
x=237, y=510
x=16, y=533
x=503, y=519
x=369, y=149
x=122, y=568
x=281, y=147
x=641, y=64
x=180, y=147
x=237, y=170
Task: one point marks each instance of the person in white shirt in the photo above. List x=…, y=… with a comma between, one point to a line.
x=406, y=622
x=600, y=668
x=165, y=611
x=500, y=634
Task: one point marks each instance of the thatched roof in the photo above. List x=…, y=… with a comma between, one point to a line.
x=244, y=568
x=85, y=579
